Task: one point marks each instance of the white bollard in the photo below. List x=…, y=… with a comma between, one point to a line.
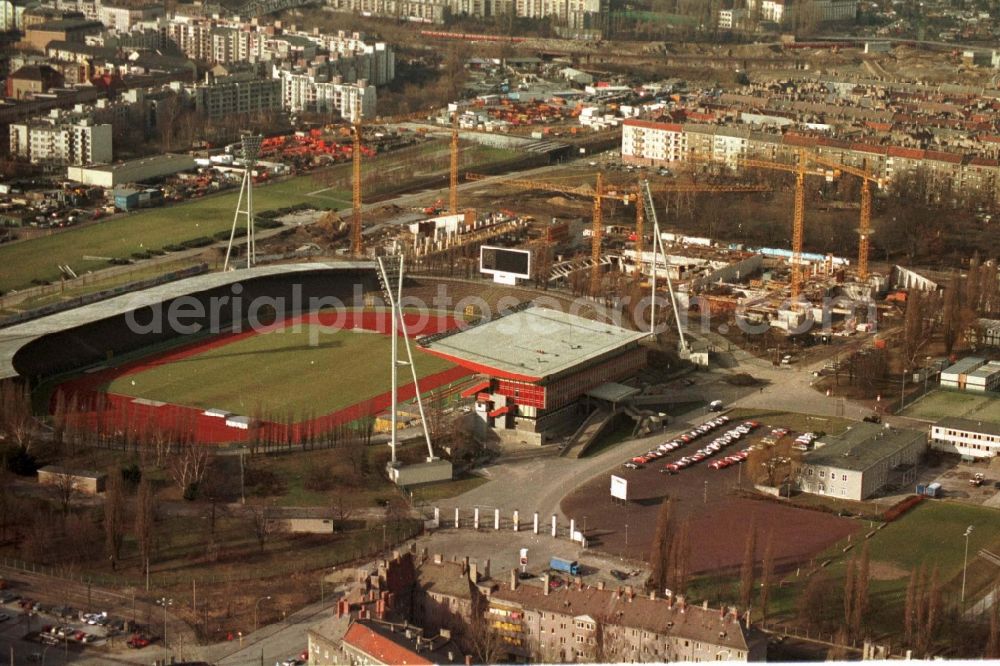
x=496, y=519
x=553, y=525
x=475, y=519
x=535, y=524
x=517, y=520
x=437, y=517
x=456, y=518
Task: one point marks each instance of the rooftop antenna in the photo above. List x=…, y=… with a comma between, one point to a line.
x=249, y=151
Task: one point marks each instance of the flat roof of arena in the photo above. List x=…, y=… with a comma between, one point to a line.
x=532, y=345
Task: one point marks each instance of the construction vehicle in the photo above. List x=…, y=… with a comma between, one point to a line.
x=977, y=480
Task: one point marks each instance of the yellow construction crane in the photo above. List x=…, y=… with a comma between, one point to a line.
x=627, y=194
x=801, y=170
x=356, y=131
x=865, y=224
x=453, y=171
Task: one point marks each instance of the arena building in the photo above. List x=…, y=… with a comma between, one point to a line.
x=537, y=363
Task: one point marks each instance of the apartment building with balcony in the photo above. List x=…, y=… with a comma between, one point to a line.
x=61, y=139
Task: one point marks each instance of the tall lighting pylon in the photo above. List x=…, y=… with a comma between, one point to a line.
x=244, y=204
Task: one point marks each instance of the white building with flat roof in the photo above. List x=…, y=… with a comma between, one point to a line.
x=966, y=437
x=55, y=140
x=957, y=375
x=133, y=171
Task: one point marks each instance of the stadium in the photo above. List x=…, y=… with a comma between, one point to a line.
x=277, y=353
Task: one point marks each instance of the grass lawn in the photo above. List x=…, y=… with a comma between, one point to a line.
x=930, y=535
x=447, y=489
x=939, y=404
x=793, y=421
x=152, y=229
x=269, y=370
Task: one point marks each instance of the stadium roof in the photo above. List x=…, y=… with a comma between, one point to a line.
x=14, y=337
x=861, y=446
x=532, y=345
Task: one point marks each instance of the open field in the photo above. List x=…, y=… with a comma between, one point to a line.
x=942, y=403
x=37, y=259
x=277, y=372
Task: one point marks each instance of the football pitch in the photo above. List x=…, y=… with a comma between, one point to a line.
x=942, y=403
x=302, y=373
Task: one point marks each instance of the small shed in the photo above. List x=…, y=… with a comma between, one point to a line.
x=83, y=481
x=300, y=520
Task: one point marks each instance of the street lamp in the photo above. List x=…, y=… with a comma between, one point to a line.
x=163, y=601
x=965, y=565
x=256, y=607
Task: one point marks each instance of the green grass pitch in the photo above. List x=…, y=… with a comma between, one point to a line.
x=279, y=373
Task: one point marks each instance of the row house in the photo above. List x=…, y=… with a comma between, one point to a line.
x=579, y=623
x=950, y=174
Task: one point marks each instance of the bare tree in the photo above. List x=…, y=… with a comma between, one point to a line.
x=114, y=515
x=993, y=641
x=65, y=486
x=747, y=568
x=660, y=550
x=343, y=505
x=188, y=466
x=145, y=518
x=910, y=608
x=850, y=579
x=262, y=524
x=859, y=616
x=766, y=573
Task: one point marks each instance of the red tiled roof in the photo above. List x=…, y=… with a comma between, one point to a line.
x=881, y=127
x=380, y=648
x=869, y=148
x=649, y=124
x=911, y=153
x=983, y=162
x=953, y=158
x=791, y=139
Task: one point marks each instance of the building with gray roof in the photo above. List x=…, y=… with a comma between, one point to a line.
x=862, y=461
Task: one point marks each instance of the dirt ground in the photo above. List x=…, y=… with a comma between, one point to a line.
x=722, y=516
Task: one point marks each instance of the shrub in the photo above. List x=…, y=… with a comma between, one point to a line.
x=173, y=247
x=319, y=477
x=200, y=241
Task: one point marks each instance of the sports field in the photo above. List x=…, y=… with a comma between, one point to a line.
x=278, y=373
x=942, y=403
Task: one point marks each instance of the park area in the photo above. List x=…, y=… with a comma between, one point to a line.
x=302, y=378
x=943, y=403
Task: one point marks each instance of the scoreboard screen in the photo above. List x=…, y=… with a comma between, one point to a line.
x=502, y=260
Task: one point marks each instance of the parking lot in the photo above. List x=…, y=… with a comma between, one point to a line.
x=720, y=515
x=35, y=632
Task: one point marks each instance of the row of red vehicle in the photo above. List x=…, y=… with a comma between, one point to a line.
x=674, y=444
x=727, y=439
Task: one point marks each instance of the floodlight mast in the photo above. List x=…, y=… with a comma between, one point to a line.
x=650, y=209
x=395, y=294
x=249, y=152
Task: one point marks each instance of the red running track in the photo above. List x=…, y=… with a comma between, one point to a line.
x=99, y=409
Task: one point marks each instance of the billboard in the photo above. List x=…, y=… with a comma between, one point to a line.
x=505, y=264
x=619, y=487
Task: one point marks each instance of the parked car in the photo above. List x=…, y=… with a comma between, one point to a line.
x=137, y=642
